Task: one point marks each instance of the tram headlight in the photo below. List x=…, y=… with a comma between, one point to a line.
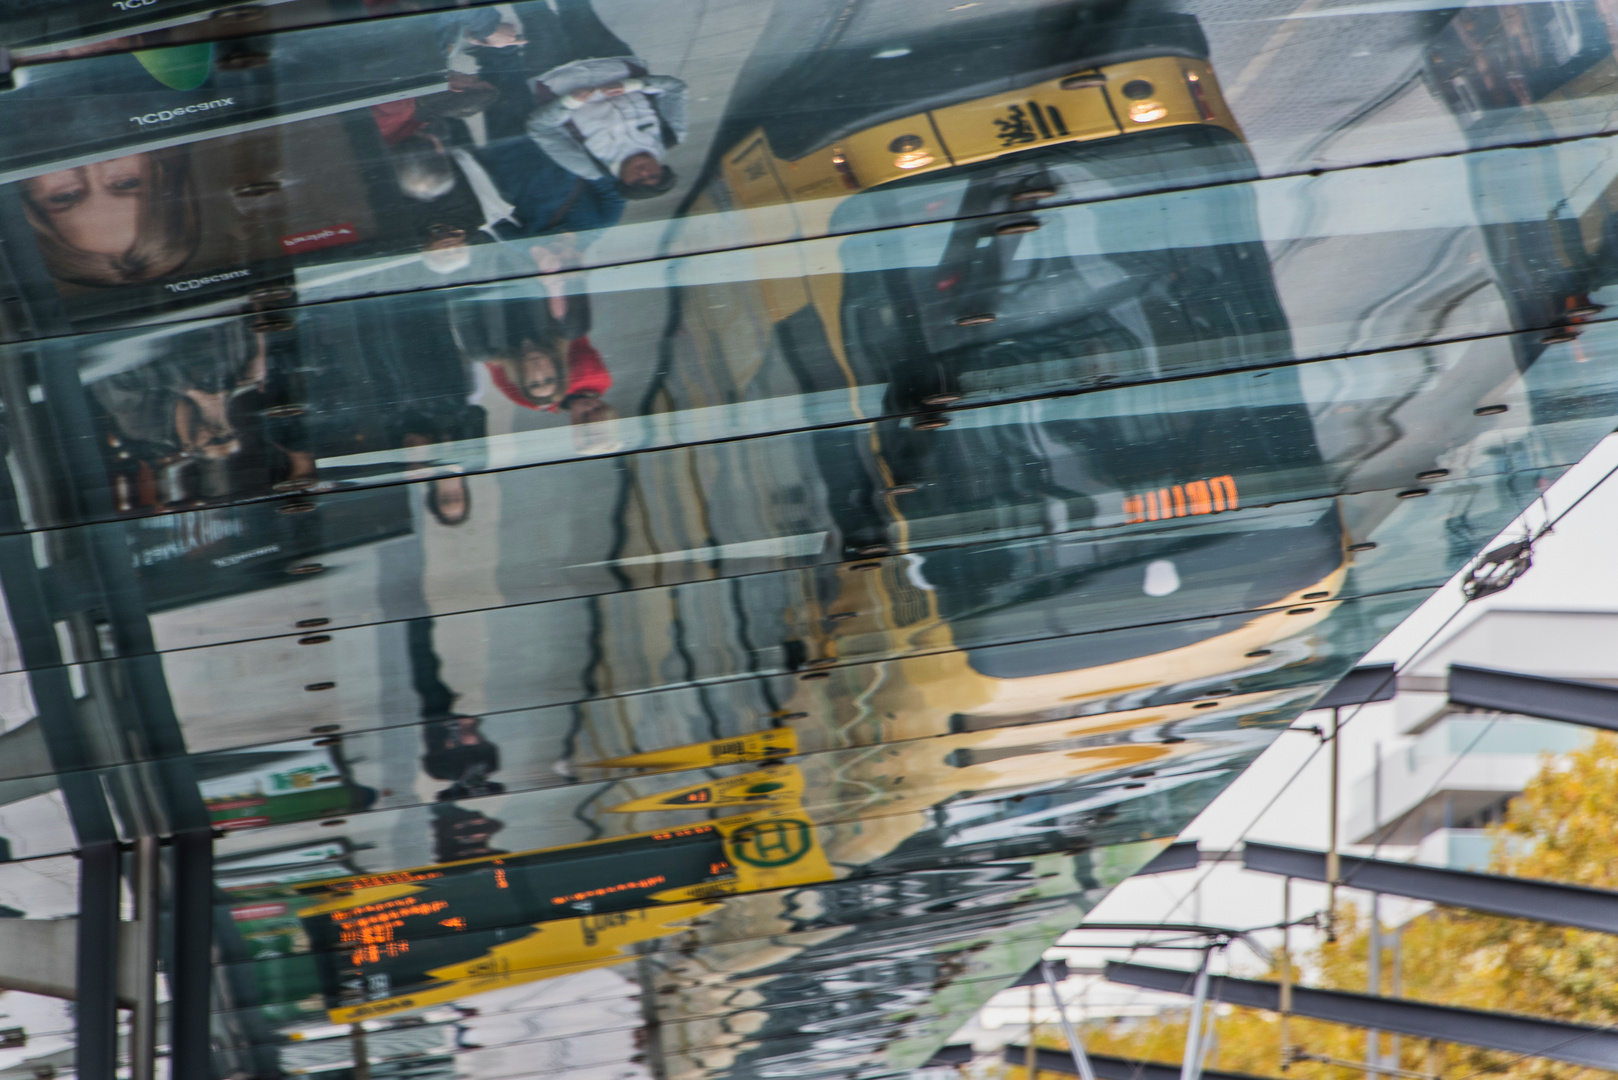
x=911, y=154
x=1144, y=112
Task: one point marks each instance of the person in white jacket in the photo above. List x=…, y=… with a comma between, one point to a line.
x=598, y=112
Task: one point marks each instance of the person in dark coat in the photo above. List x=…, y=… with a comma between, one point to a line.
x=548, y=198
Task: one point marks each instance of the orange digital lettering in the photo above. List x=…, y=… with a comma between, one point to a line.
x=1194, y=497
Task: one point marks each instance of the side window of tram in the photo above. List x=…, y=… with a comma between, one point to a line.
x=1182, y=500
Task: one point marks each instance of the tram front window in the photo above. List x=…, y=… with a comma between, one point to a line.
x=1142, y=289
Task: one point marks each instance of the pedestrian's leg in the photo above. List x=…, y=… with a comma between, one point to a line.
x=437, y=699
x=587, y=36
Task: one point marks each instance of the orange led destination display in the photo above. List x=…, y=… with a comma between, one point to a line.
x=1182, y=500
x=393, y=942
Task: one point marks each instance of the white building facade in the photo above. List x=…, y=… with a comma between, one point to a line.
x=1452, y=770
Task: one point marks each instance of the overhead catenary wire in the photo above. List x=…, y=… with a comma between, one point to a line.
x=1304, y=764
x=1532, y=536
x=1414, y=655
x=1296, y=773
x=1382, y=831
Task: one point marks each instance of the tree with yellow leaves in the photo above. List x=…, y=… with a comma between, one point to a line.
x=1564, y=827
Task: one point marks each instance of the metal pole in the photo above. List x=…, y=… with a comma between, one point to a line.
x=1396, y=987
x=1208, y=1038
x=1373, y=958
x=148, y=902
x=1376, y=797
x=1373, y=985
x=1081, y=1060
x=1033, y=1025
x=1333, y=870
x=1191, y=1065
x=191, y=979
x=1286, y=973
x=96, y=966
x=362, y=1052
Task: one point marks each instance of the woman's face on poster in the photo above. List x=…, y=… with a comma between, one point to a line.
x=95, y=208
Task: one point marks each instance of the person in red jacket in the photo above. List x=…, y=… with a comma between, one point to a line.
x=537, y=352
x=535, y=380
